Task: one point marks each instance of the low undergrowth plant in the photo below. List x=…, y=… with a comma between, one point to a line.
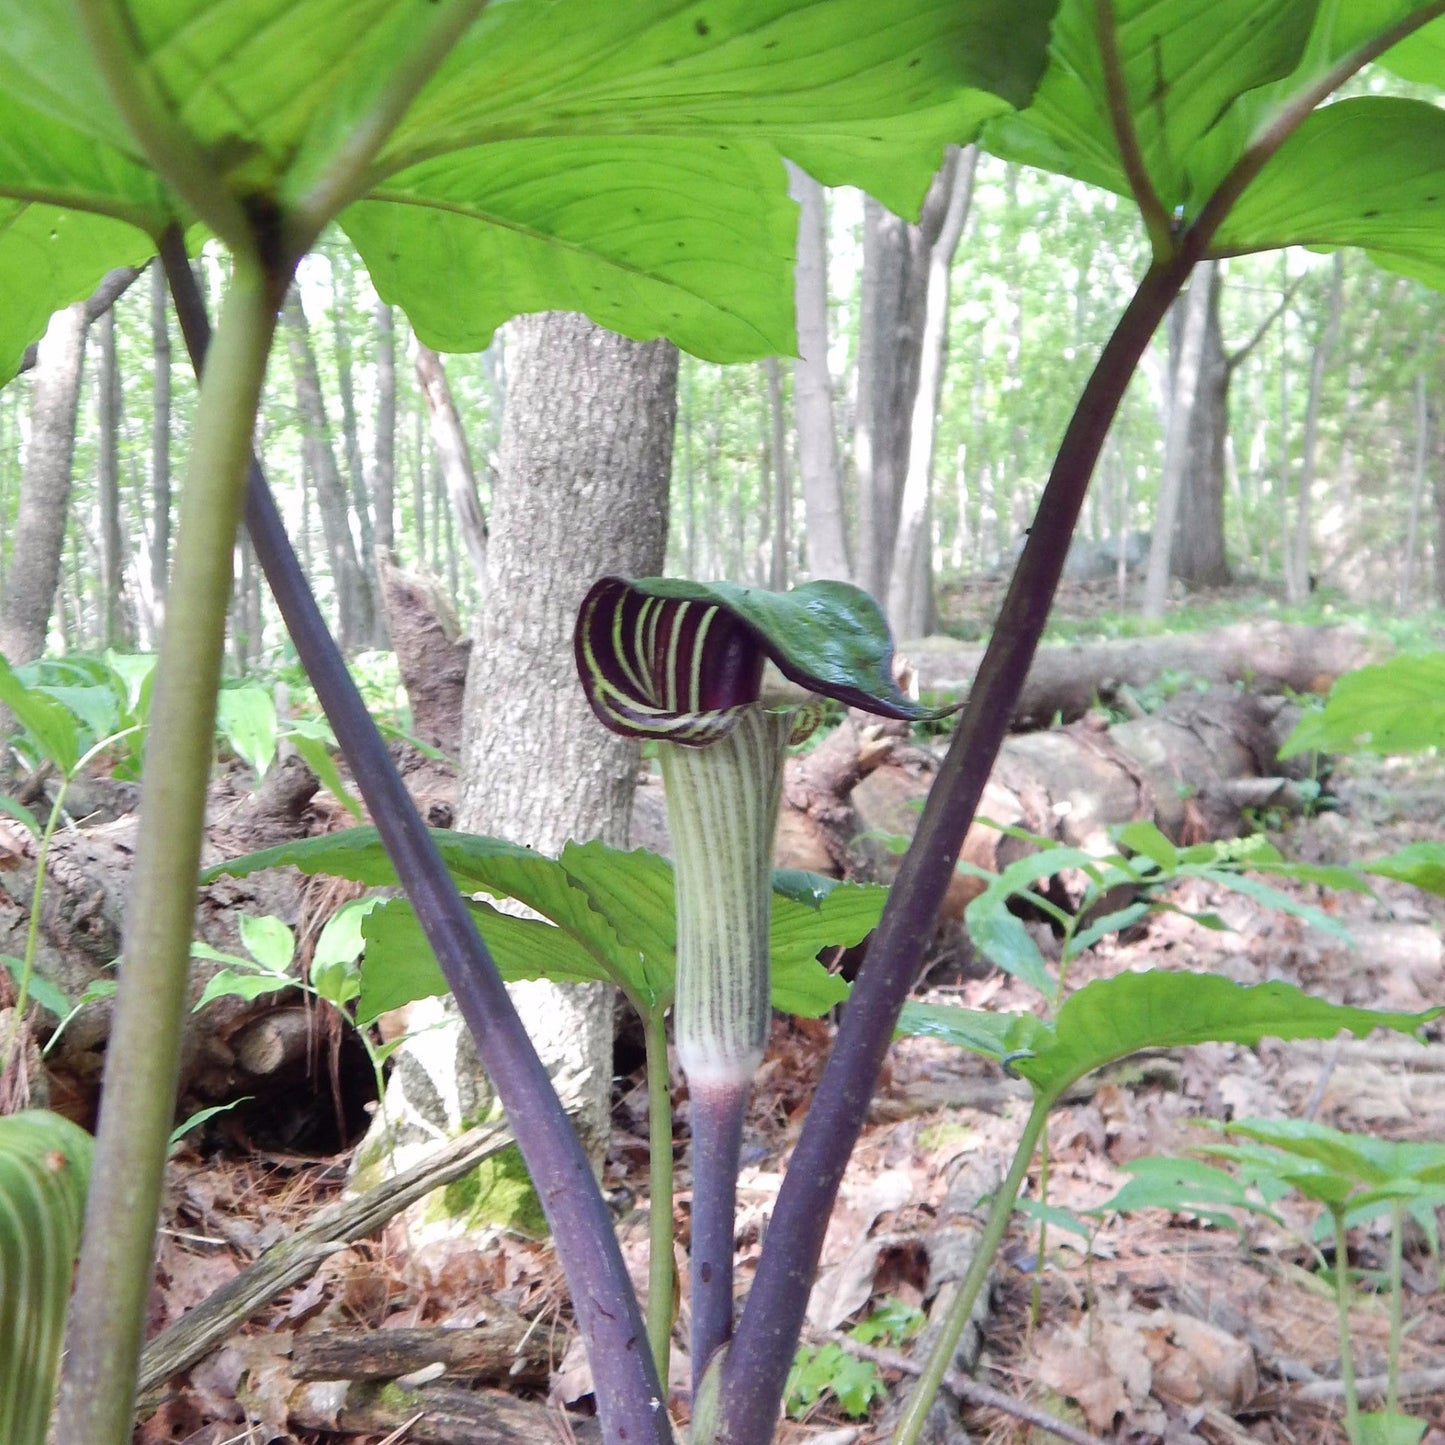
x=1353, y=1179
x=829, y=1371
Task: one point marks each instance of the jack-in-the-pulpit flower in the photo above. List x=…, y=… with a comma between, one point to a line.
x=688, y=664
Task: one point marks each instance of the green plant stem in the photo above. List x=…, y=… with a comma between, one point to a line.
x=940, y=1359
x=1036, y=1302
x=142, y=1061
x=137, y=93
x=1342, y=1308
x=1397, y=1324
x=32, y=931
x=660, y=1275
x=322, y=184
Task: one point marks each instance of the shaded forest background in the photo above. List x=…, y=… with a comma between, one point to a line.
x=1311, y=393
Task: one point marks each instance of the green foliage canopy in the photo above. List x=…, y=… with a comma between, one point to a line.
x=624, y=161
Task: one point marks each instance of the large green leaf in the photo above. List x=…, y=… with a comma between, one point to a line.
x=1112, y=1018
x=1422, y=864
x=399, y=965
x=1185, y=62
x=613, y=911
x=648, y=239
x=623, y=160
x=1204, y=80
x=1364, y=172
x=1391, y=707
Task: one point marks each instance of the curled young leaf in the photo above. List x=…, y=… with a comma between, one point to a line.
x=665, y=658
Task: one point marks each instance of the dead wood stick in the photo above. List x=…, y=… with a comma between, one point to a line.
x=1414, y=1384
x=501, y=1347
x=962, y=1387
x=442, y=1414
x=287, y=1263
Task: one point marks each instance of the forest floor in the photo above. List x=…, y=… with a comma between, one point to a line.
x=1149, y=1327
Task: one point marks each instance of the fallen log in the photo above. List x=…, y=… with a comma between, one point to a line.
x=1067, y=679
x=503, y=1348
x=442, y=1414
x=1196, y=768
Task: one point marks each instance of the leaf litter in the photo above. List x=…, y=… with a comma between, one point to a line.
x=1150, y=1326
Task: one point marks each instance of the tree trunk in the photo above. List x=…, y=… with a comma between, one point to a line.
x=586, y=461
x=44, y=489
x=107, y=483
x=352, y=594
x=1417, y=488
x=341, y=295
x=910, y=583
x=586, y=454
x=813, y=389
x=455, y=456
x=418, y=487
x=1198, y=558
x=160, y=445
x=1297, y=570
x=385, y=489
x=1195, y=303
x=1069, y=678
x=782, y=480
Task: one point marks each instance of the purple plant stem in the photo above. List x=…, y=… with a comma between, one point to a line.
x=761, y=1352
x=629, y=1397
x=717, y=1136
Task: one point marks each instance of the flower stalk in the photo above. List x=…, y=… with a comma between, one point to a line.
x=722, y=809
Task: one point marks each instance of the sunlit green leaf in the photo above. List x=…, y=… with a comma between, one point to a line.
x=229, y=984
x=268, y=941
x=1392, y=707
x=1422, y=864
x=625, y=161
x=246, y=719
x=1112, y=1018
x=51, y=726
x=618, y=906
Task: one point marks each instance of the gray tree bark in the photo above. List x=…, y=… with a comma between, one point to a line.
x=107, y=480
x=1297, y=556
x=1417, y=488
x=160, y=548
x=1198, y=557
x=353, y=594
x=385, y=488
x=44, y=488
x=460, y=477
x=586, y=456
x=910, y=581
x=895, y=290
x=1195, y=304
x=813, y=389
x=586, y=459
x=782, y=509
x=341, y=298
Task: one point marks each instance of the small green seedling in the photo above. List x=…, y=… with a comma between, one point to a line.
x=1351, y=1177
x=821, y=1370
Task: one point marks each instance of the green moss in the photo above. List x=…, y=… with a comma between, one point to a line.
x=944, y=1134
x=497, y=1192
